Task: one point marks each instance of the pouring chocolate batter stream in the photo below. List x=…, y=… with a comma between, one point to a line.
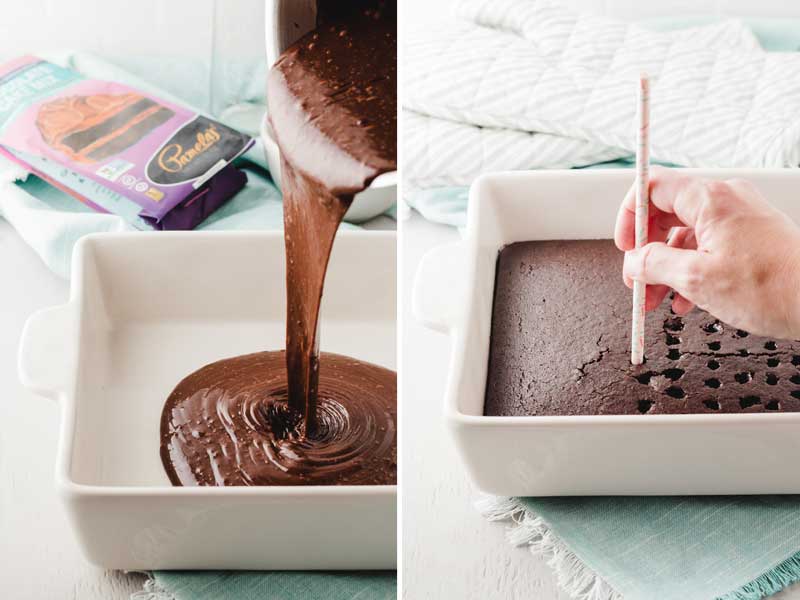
x=332, y=420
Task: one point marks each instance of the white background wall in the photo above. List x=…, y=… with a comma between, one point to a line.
x=181, y=35
x=423, y=11
x=119, y=28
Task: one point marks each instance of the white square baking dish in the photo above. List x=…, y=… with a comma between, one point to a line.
x=145, y=310
x=584, y=455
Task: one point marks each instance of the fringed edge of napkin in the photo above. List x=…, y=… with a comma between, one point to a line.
x=771, y=582
x=580, y=581
x=528, y=529
x=152, y=591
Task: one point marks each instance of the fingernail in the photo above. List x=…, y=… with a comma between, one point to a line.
x=630, y=264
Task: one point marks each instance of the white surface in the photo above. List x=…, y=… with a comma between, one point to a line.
x=449, y=550
x=39, y=555
x=426, y=11
x=200, y=35
x=124, y=346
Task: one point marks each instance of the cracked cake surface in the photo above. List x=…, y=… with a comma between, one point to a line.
x=560, y=345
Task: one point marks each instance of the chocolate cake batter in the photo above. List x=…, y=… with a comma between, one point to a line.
x=560, y=345
x=242, y=421
x=230, y=424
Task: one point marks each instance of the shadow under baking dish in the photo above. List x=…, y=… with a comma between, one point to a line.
x=145, y=310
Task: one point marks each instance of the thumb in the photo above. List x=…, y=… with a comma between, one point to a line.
x=660, y=264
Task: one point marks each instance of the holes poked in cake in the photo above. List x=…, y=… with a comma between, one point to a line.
x=652, y=378
x=673, y=374
x=644, y=406
x=662, y=382
x=736, y=378
x=674, y=324
x=675, y=391
x=748, y=401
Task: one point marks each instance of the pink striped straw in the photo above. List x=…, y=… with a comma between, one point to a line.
x=642, y=206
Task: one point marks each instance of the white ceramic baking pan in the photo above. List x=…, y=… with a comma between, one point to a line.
x=145, y=310
x=584, y=455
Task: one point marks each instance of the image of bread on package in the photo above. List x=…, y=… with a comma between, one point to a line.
x=93, y=128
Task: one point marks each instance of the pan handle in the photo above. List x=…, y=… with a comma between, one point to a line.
x=46, y=358
x=437, y=294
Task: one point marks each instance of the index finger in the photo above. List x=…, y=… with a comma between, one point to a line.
x=676, y=198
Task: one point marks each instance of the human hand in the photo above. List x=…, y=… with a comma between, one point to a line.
x=730, y=252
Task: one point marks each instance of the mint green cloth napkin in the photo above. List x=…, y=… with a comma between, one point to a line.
x=274, y=585
x=665, y=548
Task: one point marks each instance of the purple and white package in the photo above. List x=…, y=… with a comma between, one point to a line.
x=154, y=163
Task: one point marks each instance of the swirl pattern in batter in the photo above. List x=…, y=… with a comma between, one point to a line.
x=229, y=423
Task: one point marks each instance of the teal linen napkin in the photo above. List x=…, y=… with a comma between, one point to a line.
x=277, y=585
x=669, y=548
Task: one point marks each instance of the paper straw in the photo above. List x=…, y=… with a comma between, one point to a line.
x=642, y=205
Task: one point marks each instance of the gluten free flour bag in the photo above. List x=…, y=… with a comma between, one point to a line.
x=154, y=163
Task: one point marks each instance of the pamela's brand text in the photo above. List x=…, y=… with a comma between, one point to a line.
x=173, y=158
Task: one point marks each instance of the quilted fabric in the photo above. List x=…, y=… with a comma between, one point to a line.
x=533, y=66
x=439, y=152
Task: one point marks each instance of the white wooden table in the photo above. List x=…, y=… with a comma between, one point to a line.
x=449, y=550
x=39, y=556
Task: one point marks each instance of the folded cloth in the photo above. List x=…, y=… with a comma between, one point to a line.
x=533, y=66
x=439, y=197
x=448, y=152
x=439, y=152
x=280, y=585
x=641, y=548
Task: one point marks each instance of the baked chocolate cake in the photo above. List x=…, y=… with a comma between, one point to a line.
x=560, y=345
x=93, y=128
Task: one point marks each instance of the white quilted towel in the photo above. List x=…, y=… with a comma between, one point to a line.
x=533, y=66
x=439, y=153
